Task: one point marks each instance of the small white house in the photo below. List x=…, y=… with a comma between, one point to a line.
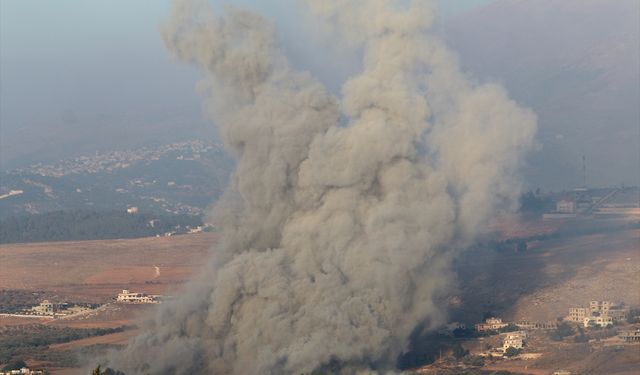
x=132, y=297
x=566, y=206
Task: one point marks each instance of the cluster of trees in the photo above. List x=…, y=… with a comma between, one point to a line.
x=472, y=333
x=98, y=371
x=515, y=244
x=564, y=330
x=534, y=203
x=91, y=225
x=14, y=365
x=23, y=342
x=13, y=301
x=580, y=337
x=520, y=244
x=634, y=316
x=512, y=352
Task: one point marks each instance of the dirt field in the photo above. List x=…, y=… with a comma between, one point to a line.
x=543, y=282
x=119, y=338
x=95, y=271
x=538, y=284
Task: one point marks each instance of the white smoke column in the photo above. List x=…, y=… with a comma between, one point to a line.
x=337, y=238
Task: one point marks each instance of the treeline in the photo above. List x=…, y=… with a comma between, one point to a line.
x=597, y=227
x=91, y=225
x=14, y=301
x=21, y=342
x=534, y=203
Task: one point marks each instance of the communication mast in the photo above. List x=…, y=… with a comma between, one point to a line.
x=584, y=172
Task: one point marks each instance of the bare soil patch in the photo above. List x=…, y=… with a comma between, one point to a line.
x=95, y=271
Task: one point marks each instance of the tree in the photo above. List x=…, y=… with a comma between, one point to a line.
x=459, y=351
x=580, y=337
x=15, y=365
x=634, y=316
x=509, y=328
x=563, y=330
x=511, y=352
x=531, y=202
x=522, y=246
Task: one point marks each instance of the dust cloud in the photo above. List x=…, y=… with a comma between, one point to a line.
x=344, y=212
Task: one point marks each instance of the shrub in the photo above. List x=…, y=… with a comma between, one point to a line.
x=15, y=365
x=511, y=352
x=580, y=337
x=459, y=351
x=509, y=328
x=563, y=330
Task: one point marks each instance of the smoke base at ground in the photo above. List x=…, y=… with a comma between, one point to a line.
x=344, y=212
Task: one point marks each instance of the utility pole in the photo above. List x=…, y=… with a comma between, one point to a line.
x=584, y=172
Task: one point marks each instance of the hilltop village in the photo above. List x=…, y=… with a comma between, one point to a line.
x=498, y=344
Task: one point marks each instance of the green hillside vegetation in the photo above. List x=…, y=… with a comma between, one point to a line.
x=17, y=343
x=91, y=225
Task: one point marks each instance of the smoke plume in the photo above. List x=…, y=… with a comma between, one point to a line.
x=343, y=213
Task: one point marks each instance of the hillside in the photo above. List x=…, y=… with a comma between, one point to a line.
x=92, y=225
x=179, y=178
x=576, y=63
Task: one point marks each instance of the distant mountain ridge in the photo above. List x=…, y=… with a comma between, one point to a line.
x=577, y=64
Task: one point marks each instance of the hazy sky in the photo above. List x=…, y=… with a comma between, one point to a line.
x=77, y=75
x=100, y=57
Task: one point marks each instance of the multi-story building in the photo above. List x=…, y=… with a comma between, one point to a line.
x=609, y=312
x=525, y=324
x=618, y=314
x=566, y=206
x=577, y=314
x=630, y=336
x=600, y=321
x=490, y=324
x=132, y=297
x=48, y=308
x=514, y=340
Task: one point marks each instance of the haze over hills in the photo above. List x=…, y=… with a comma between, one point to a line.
x=178, y=178
x=576, y=63
x=71, y=134
x=369, y=227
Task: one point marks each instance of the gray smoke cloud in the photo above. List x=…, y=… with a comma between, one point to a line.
x=343, y=213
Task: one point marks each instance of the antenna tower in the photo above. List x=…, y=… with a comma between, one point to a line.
x=584, y=172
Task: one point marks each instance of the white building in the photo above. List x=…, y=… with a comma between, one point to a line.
x=131, y=297
x=600, y=321
x=514, y=340
x=23, y=371
x=615, y=310
x=490, y=324
x=600, y=313
x=566, y=206
x=48, y=308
